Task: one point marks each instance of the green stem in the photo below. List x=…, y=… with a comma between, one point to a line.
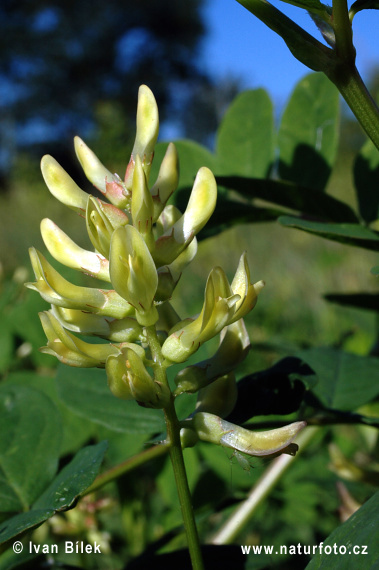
x=177, y=460
x=176, y=454
x=345, y=49
x=235, y=524
x=354, y=91
x=126, y=466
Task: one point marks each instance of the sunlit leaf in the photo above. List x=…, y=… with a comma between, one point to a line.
x=245, y=139
x=308, y=133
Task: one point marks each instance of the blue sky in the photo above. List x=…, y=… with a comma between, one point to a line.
x=238, y=43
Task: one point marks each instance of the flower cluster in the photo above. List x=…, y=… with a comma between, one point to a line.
x=141, y=244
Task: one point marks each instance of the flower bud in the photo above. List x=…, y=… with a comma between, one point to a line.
x=247, y=291
x=146, y=134
x=129, y=379
x=218, y=308
x=133, y=273
x=109, y=184
x=56, y=290
x=215, y=430
x=64, y=250
x=70, y=349
x=200, y=207
x=62, y=186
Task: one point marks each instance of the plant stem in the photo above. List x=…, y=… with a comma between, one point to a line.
x=233, y=526
x=177, y=460
x=345, y=76
x=125, y=466
x=345, y=49
x=176, y=454
x=354, y=91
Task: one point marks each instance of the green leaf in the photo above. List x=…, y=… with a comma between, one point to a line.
x=245, y=139
x=375, y=270
x=314, y=6
x=308, y=133
x=369, y=301
x=363, y=5
x=62, y=494
x=75, y=478
x=366, y=177
x=360, y=530
x=85, y=391
x=289, y=195
x=351, y=234
x=6, y=345
x=76, y=431
x=31, y=431
x=345, y=381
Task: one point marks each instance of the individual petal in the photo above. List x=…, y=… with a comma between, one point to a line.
x=215, y=430
x=62, y=186
x=242, y=286
x=99, y=227
x=58, y=291
x=146, y=134
x=167, y=181
x=66, y=251
x=133, y=273
x=200, y=207
x=82, y=322
x=109, y=184
x=142, y=205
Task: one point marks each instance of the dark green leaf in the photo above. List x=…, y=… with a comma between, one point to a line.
x=369, y=301
x=289, y=195
x=31, y=433
x=364, y=5
x=345, y=381
x=85, y=391
x=62, y=493
x=360, y=530
x=308, y=133
x=314, y=6
x=75, y=478
x=76, y=431
x=245, y=139
x=366, y=176
x=351, y=234
x=375, y=270
x=276, y=390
